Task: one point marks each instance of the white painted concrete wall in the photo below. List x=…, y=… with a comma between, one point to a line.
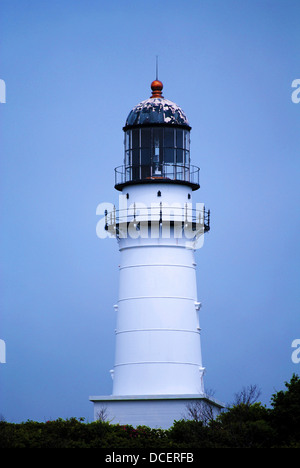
x=157, y=334
x=155, y=413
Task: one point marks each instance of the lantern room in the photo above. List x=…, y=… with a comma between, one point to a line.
x=156, y=144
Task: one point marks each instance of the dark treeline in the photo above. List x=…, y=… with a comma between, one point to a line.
x=244, y=424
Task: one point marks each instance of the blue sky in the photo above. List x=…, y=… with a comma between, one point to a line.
x=73, y=71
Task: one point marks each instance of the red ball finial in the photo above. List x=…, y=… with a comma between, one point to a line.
x=157, y=87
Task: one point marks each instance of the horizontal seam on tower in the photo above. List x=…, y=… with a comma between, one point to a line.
x=157, y=245
x=157, y=329
x=156, y=297
x=158, y=264
x=157, y=362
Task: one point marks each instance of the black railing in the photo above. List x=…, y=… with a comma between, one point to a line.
x=137, y=215
x=157, y=172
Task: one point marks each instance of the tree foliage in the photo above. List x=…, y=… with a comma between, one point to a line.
x=285, y=415
x=244, y=424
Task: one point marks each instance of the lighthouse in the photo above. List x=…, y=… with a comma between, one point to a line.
x=159, y=227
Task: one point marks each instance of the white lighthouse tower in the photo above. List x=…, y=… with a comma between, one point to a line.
x=158, y=369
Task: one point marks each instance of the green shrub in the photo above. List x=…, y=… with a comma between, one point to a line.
x=243, y=425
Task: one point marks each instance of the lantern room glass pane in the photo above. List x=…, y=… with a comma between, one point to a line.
x=135, y=173
x=169, y=154
x=179, y=138
x=179, y=156
x=145, y=172
x=187, y=140
x=157, y=144
x=169, y=137
x=146, y=137
x=135, y=138
x=127, y=140
x=135, y=157
x=145, y=156
x=157, y=136
x=127, y=158
x=187, y=158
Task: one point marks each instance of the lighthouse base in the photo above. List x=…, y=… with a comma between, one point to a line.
x=155, y=411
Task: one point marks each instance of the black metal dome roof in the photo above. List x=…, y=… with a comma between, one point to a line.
x=156, y=110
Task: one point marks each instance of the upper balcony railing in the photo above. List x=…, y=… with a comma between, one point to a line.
x=157, y=172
